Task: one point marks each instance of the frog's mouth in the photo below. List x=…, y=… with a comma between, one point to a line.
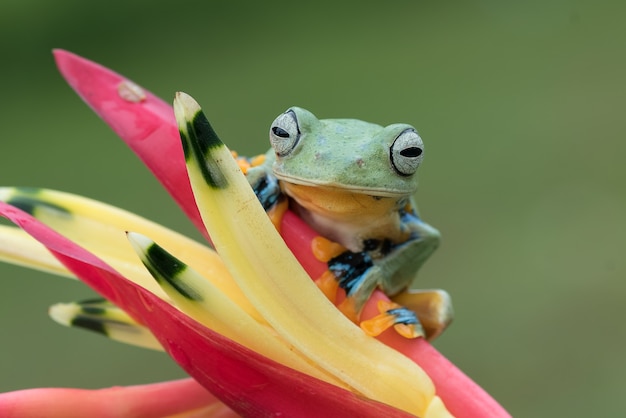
x=333, y=187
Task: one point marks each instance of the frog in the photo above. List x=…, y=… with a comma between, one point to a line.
x=353, y=182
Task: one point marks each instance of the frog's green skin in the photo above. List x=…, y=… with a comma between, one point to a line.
x=352, y=182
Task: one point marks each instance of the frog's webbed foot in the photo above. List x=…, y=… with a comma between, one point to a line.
x=413, y=313
x=402, y=319
x=358, y=276
x=433, y=308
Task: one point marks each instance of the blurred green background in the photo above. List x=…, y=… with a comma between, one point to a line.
x=521, y=106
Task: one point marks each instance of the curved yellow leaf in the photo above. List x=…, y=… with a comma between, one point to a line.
x=276, y=284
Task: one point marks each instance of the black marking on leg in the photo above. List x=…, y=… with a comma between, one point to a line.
x=370, y=244
x=267, y=190
x=385, y=247
x=404, y=316
x=90, y=324
x=165, y=267
x=377, y=247
x=350, y=268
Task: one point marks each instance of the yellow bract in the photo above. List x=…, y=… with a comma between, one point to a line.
x=101, y=229
x=279, y=288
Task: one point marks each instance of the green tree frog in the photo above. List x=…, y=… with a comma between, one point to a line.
x=352, y=182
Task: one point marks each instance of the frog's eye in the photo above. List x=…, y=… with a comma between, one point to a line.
x=406, y=152
x=284, y=133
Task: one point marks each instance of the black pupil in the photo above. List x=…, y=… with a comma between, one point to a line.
x=411, y=152
x=280, y=132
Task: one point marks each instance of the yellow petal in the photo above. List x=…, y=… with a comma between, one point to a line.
x=199, y=299
x=276, y=284
x=17, y=247
x=106, y=319
x=101, y=229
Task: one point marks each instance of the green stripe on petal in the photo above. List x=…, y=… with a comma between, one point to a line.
x=198, y=138
x=198, y=298
x=101, y=229
x=281, y=291
x=167, y=270
x=104, y=318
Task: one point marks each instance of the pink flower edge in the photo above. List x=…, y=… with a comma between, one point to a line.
x=250, y=384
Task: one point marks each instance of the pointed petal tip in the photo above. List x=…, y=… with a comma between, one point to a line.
x=66, y=60
x=137, y=238
x=185, y=106
x=60, y=54
x=140, y=244
x=62, y=313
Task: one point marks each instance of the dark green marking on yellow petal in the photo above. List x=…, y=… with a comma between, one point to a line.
x=95, y=306
x=96, y=301
x=90, y=324
x=165, y=267
x=207, y=138
x=28, y=190
x=184, y=141
x=198, y=142
x=31, y=205
x=93, y=310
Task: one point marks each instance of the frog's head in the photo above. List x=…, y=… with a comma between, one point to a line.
x=346, y=154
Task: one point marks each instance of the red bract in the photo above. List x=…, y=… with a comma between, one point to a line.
x=247, y=382
x=153, y=400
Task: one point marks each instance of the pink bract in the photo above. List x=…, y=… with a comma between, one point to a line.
x=247, y=382
x=153, y=400
x=244, y=380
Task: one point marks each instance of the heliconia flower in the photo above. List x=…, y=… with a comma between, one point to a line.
x=245, y=321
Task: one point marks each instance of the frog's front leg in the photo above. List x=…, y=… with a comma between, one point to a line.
x=400, y=265
x=393, y=268
x=267, y=189
x=433, y=307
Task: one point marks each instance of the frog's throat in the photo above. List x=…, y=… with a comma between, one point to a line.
x=371, y=191
x=344, y=216
x=341, y=205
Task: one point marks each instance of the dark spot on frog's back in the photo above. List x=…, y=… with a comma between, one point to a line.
x=360, y=163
